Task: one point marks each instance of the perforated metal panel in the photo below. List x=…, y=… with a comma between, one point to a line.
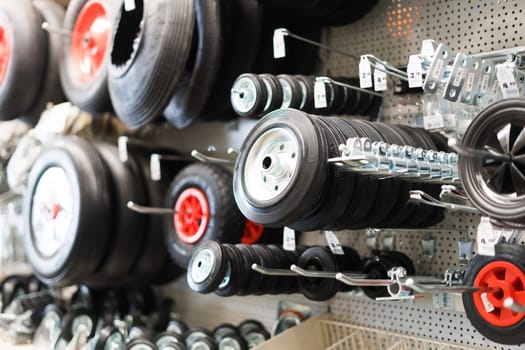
x=392, y=31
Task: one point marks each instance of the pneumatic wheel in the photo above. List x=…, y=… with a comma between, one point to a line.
x=201, y=195
x=495, y=183
x=504, y=272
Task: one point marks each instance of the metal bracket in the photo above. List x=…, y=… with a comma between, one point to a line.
x=456, y=79
x=418, y=196
x=436, y=71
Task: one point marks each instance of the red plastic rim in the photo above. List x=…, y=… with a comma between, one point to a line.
x=5, y=49
x=90, y=38
x=508, y=281
x=252, y=232
x=192, y=215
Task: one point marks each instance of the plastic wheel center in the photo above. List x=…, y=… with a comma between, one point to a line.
x=5, y=49
x=191, y=216
x=89, y=40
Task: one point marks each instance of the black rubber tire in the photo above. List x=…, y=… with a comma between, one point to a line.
x=248, y=88
x=140, y=343
x=11, y=287
x=274, y=98
x=511, y=335
x=377, y=268
x=307, y=92
x=50, y=89
x=26, y=63
x=92, y=96
x=151, y=46
x=318, y=289
x=224, y=329
x=83, y=251
x=238, y=269
x=305, y=187
x=69, y=318
x=292, y=93
x=239, y=342
x=193, y=91
x=103, y=335
x=225, y=223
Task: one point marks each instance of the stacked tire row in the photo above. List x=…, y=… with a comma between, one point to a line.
x=282, y=176
x=254, y=95
x=78, y=227
x=226, y=270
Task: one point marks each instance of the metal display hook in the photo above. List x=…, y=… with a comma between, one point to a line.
x=418, y=196
x=213, y=160
x=326, y=79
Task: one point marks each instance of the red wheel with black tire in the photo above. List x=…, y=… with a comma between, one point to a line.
x=505, y=274
x=202, y=197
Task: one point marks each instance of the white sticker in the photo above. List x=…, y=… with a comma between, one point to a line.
x=449, y=121
x=123, y=149
x=414, y=72
x=380, y=79
x=458, y=77
x=485, y=239
x=288, y=239
x=433, y=122
x=129, y=5
x=279, y=48
x=427, y=47
x=486, y=303
x=484, y=86
x=365, y=73
x=469, y=82
x=507, y=82
x=320, y=94
x=436, y=74
x=154, y=167
x=333, y=243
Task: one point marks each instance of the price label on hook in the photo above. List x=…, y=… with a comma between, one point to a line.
x=507, y=82
x=154, y=168
x=365, y=73
x=288, y=239
x=129, y=5
x=380, y=78
x=320, y=94
x=279, y=47
x=414, y=72
x=333, y=243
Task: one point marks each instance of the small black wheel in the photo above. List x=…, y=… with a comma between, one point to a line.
x=232, y=341
x=307, y=93
x=195, y=334
x=223, y=330
x=170, y=341
x=234, y=278
x=207, y=267
x=77, y=317
x=274, y=91
x=201, y=195
x=377, y=267
x=249, y=325
x=504, y=272
x=249, y=95
x=140, y=343
x=318, y=259
x=109, y=338
x=292, y=93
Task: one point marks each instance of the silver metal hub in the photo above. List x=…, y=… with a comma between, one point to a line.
x=244, y=95
x=202, y=266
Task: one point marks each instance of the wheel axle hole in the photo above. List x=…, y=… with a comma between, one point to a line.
x=199, y=264
x=498, y=294
x=267, y=162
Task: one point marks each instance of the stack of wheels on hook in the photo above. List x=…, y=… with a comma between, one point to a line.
x=255, y=95
x=282, y=176
x=77, y=227
x=501, y=279
x=492, y=169
x=29, y=58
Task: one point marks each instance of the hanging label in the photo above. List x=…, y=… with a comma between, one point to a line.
x=288, y=239
x=484, y=86
x=414, y=72
x=488, y=236
x=469, y=82
x=365, y=73
x=333, y=243
x=154, y=167
x=129, y=5
x=279, y=47
x=433, y=122
x=427, y=47
x=449, y=121
x=123, y=149
x=486, y=303
x=380, y=78
x=320, y=94
x=458, y=77
x=507, y=82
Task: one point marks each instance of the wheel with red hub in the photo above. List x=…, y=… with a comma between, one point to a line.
x=257, y=233
x=84, y=69
x=202, y=197
x=505, y=274
x=23, y=46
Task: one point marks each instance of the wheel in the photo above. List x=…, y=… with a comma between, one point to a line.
x=274, y=99
x=496, y=185
x=249, y=95
x=151, y=45
x=201, y=195
x=85, y=58
x=280, y=172
x=50, y=90
x=504, y=272
x=318, y=259
x=23, y=50
x=67, y=193
x=292, y=92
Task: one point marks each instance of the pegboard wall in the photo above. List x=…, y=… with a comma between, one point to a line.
x=392, y=31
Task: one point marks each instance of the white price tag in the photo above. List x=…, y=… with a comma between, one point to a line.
x=123, y=149
x=449, y=121
x=154, y=167
x=484, y=86
x=488, y=236
x=380, y=79
x=279, y=47
x=469, y=82
x=333, y=243
x=414, y=72
x=458, y=77
x=486, y=303
x=129, y=5
x=320, y=94
x=507, y=82
x=288, y=239
x=433, y=122
x=365, y=73
x=427, y=47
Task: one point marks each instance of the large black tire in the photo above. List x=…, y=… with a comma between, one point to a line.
x=24, y=50
x=507, y=269
x=221, y=221
x=193, y=91
x=83, y=247
x=50, y=89
x=151, y=45
x=88, y=91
